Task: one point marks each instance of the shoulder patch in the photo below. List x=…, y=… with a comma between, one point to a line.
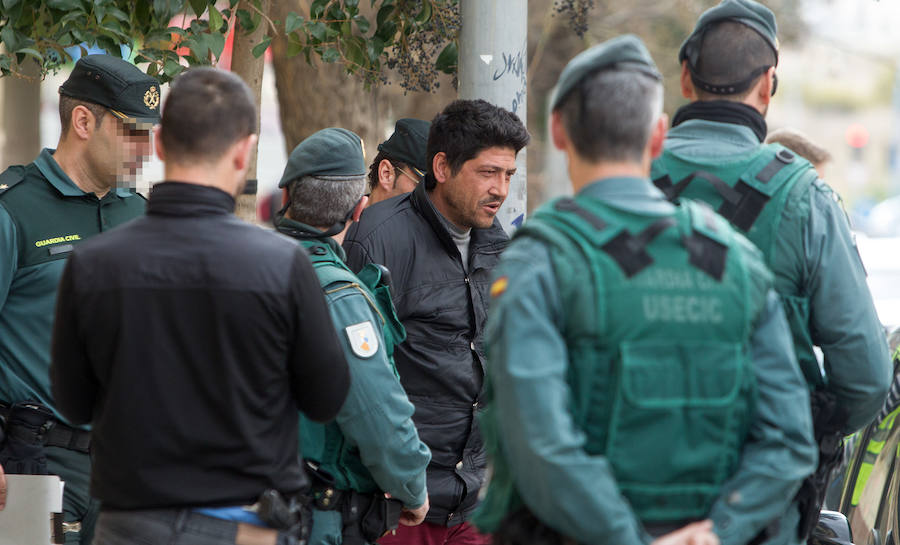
x=11, y=177
x=363, y=340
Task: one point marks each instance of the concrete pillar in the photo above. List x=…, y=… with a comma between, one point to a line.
x=493, y=60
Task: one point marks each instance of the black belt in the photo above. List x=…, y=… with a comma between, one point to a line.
x=53, y=433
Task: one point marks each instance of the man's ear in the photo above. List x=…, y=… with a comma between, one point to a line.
x=658, y=136
x=557, y=132
x=360, y=206
x=765, y=86
x=440, y=167
x=687, y=84
x=82, y=122
x=243, y=148
x=386, y=175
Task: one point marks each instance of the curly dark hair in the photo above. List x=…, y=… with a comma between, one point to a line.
x=466, y=127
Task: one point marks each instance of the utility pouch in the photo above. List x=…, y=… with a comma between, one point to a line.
x=521, y=527
x=22, y=450
x=380, y=516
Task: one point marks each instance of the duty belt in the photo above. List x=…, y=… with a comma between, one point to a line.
x=52, y=433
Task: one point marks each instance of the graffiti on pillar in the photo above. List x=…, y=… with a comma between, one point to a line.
x=514, y=64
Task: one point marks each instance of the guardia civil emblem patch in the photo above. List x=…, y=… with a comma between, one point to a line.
x=151, y=98
x=362, y=338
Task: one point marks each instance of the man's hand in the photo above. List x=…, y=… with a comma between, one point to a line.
x=3, y=489
x=697, y=533
x=414, y=517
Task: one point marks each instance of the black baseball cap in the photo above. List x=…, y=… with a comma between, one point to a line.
x=408, y=144
x=116, y=84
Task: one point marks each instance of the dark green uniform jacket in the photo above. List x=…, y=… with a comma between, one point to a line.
x=372, y=445
x=43, y=216
x=641, y=375
x=806, y=240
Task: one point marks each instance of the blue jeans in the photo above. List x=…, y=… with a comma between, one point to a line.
x=166, y=527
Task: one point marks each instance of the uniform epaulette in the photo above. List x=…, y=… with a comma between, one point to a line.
x=11, y=177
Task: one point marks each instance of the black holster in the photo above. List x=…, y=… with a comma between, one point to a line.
x=22, y=445
x=828, y=420
x=521, y=527
x=365, y=517
x=291, y=516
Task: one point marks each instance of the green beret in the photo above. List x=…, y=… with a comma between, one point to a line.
x=329, y=152
x=626, y=51
x=408, y=144
x=747, y=12
x=116, y=84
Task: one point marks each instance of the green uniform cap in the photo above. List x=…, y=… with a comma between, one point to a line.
x=747, y=12
x=626, y=51
x=408, y=144
x=329, y=152
x=116, y=84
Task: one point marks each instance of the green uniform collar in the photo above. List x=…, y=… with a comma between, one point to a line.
x=628, y=193
x=60, y=180
x=730, y=139
x=304, y=232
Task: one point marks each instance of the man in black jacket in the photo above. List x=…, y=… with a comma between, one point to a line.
x=440, y=243
x=190, y=339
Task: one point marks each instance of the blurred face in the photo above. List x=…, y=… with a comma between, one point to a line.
x=472, y=196
x=117, y=150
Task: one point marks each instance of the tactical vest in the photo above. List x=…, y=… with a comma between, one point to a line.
x=329, y=448
x=659, y=313
x=752, y=193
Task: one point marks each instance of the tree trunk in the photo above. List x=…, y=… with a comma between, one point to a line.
x=21, y=98
x=250, y=69
x=313, y=97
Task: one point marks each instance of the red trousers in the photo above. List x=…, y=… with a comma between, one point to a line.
x=435, y=534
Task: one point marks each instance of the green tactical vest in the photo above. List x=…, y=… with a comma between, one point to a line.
x=658, y=321
x=752, y=193
x=324, y=443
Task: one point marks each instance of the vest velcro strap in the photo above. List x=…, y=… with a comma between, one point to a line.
x=673, y=191
x=706, y=254
x=781, y=160
x=630, y=251
x=743, y=214
x=567, y=204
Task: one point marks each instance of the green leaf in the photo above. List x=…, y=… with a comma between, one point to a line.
x=172, y=68
x=294, y=48
x=447, y=60
x=33, y=52
x=362, y=23
x=8, y=4
x=317, y=8
x=215, y=19
x=8, y=38
x=351, y=3
x=331, y=55
x=199, y=6
x=118, y=14
x=245, y=19
x=425, y=13
x=317, y=30
x=261, y=47
x=385, y=13
x=355, y=51
x=292, y=22
x=374, y=48
x=63, y=5
x=216, y=44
